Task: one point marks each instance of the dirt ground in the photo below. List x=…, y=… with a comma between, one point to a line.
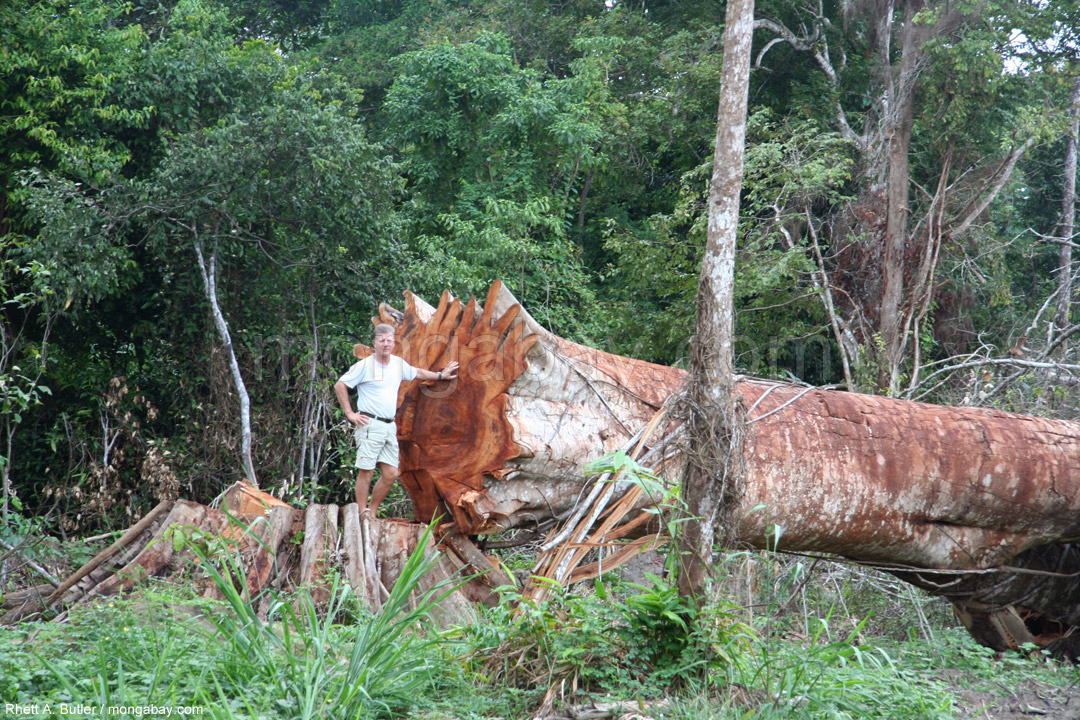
x=1030, y=700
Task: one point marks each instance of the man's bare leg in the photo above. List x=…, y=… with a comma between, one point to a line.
x=389, y=474
x=363, y=484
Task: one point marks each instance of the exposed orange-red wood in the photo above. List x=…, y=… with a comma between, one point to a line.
x=454, y=433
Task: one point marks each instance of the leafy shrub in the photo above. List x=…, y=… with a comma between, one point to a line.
x=645, y=643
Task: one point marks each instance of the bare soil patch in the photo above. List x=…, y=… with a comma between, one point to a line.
x=1031, y=699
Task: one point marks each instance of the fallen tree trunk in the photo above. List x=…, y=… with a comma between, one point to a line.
x=861, y=476
x=902, y=485
x=504, y=445
x=979, y=506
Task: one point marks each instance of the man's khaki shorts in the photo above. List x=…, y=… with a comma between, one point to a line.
x=376, y=442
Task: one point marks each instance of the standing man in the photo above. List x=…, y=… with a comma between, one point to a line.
x=377, y=379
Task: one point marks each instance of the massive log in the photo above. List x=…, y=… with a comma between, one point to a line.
x=504, y=445
x=979, y=506
x=985, y=503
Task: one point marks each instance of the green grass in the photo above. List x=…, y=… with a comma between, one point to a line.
x=165, y=646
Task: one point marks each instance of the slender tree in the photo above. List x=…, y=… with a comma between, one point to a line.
x=1068, y=211
x=209, y=277
x=713, y=421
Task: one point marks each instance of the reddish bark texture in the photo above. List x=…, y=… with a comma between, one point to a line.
x=867, y=477
x=892, y=481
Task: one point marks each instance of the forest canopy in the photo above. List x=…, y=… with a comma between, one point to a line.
x=278, y=169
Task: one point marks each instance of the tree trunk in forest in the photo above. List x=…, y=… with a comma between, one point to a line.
x=1068, y=212
x=209, y=276
x=903, y=485
x=504, y=446
x=898, y=126
x=711, y=484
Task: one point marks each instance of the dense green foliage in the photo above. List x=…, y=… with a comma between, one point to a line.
x=332, y=154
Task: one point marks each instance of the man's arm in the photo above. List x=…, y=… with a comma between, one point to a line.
x=447, y=373
x=342, y=392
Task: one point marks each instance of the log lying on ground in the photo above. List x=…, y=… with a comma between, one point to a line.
x=991, y=497
x=985, y=496
x=979, y=506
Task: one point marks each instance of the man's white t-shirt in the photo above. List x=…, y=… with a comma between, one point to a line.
x=377, y=385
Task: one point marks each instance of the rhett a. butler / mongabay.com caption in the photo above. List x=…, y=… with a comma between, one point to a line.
x=83, y=710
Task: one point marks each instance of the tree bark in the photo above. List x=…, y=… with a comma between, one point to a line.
x=209, y=276
x=711, y=484
x=810, y=454
x=903, y=485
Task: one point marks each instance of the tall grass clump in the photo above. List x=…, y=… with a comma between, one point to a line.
x=318, y=668
x=817, y=677
x=307, y=660
x=124, y=651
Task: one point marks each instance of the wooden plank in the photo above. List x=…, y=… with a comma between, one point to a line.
x=133, y=532
x=243, y=498
x=370, y=542
x=492, y=574
x=313, y=549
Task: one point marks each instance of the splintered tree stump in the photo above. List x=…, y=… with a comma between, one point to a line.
x=278, y=549
x=264, y=563
x=320, y=541
x=504, y=444
x=353, y=545
x=118, y=554
x=154, y=558
x=395, y=538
